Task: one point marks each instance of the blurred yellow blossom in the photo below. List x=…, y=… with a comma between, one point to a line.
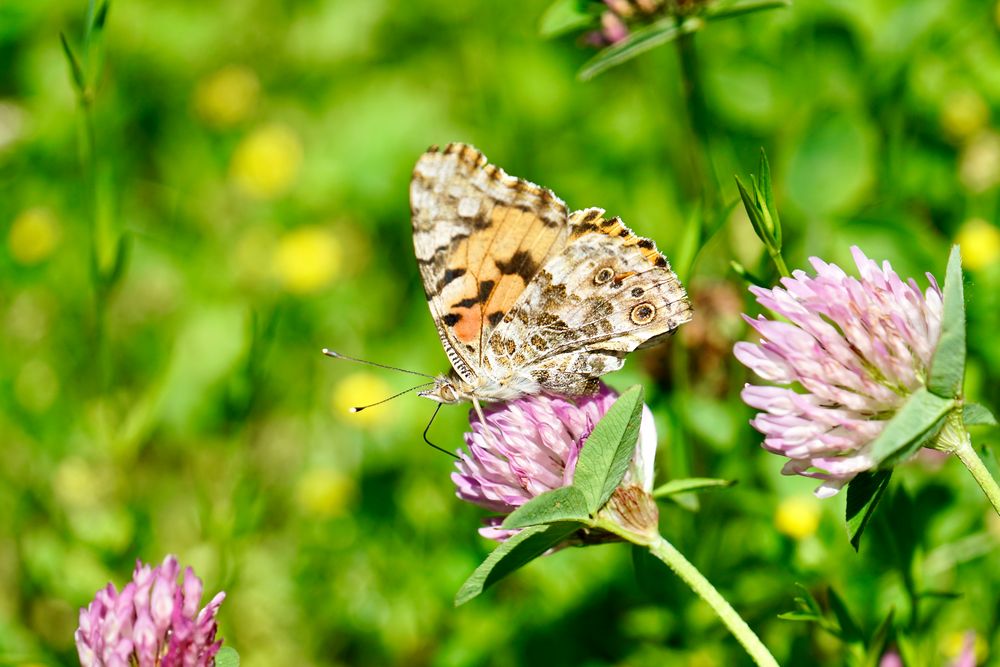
x=964, y=113
x=33, y=236
x=358, y=389
x=266, y=162
x=36, y=385
x=798, y=516
x=979, y=162
x=12, y=123
x=227, y=96
x=324, y=492
x=980, y=243
x=306, y=259
x=77, y=483
x=956, y=644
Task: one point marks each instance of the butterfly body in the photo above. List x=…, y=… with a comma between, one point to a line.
x=528, y=298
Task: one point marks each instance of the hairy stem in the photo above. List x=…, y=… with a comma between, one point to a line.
x=676, y=561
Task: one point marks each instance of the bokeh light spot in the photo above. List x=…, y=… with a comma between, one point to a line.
x=33, y=236
x=798, y=516
x=361, y=389
x=980, y=243
x=307, y=259
x=227, y=96
x=324, y=492
x=266, y=162
x=36, y=386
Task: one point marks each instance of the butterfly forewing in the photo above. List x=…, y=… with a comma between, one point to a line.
x=480, y=237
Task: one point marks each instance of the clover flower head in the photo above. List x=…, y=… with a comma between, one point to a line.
x=154, y=621
x=850, y=351
x=530, y=445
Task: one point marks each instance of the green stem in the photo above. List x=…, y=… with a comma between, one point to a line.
x=698, y=117
x=676, y=561
x=967, y=455
x=779, y=262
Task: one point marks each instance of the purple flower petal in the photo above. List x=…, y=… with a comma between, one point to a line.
x=529, y=446
x=850, y=352
x=153, y=622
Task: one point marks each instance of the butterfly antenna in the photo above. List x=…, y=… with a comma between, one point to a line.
x=359, y=408
x=428, y=427
x=338, y=355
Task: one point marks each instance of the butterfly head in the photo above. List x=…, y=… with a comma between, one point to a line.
x=447, y=389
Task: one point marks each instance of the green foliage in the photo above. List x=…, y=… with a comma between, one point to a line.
x=948, y=366
x=227, y=657
x=605, y=456
x=249, y=207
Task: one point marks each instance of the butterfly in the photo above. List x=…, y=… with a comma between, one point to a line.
x=527, y=297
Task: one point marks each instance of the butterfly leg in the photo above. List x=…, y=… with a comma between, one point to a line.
x=479, y=411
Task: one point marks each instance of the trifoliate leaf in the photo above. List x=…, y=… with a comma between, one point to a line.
x=516, y=551
x=563, y=504
x=975, y=414
x=690, y=484
x=948, y=364
x=863, y=494
x=734, y=8
x=605, y=455
x=227, y=657
x=564, y=16
x=917, y=420
x=661, y=32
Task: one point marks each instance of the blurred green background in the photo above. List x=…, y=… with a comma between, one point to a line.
x=255, y=157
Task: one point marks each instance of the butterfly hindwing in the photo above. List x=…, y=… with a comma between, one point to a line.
x=480, y=237
x=605, y=294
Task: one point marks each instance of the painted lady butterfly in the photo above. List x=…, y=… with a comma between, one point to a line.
x=526, y=297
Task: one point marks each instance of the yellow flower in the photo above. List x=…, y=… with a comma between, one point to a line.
x=324, y=492
x=36, y=386
x=798, y=516
x=361, y=388
x=964, y=113
x=33, y=236
x=306, y=259
x=227, y=96
x=266, y=163
x=979, y=162
x=980, y=243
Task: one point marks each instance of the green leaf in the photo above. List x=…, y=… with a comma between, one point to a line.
x=863, y=494
x=227, y=657
x=808, y=608
x=767, y=196
x=609, y=448
x=564, y=16
x=516, y=551
x=101, y=17
x=850, y=632
x=691, y=484
x=975, y=414
x=74, y=65
x=728, y=10
x=744, y=274
x=661, y=32
x=566, y=503
x=690, y=243
x=753, y=211
x=876, y=645
x=915, y=422
x=948, y=365
x=800, y=616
